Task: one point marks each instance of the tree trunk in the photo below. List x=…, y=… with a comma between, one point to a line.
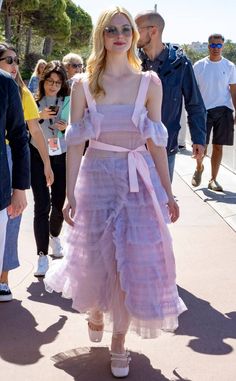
x=47, y=46
x=18, y=33
x=28, y=41
x=8, y=30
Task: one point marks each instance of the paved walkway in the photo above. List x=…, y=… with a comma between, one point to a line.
x=42, y=338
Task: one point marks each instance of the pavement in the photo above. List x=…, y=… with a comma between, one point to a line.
x=42, y=338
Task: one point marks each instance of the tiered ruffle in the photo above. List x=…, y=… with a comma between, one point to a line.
x=112, y=237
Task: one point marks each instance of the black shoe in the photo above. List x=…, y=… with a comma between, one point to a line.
x=5, y=293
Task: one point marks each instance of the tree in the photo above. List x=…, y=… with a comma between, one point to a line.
x=192, y=54
x=229, y=51
x=51, y=25
x=12, y=12
x=81, y=25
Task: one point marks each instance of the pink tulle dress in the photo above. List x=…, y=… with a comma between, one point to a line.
x=118, y=256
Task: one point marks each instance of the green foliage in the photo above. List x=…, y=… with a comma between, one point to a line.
x=26, y=5
x=229, y=51
x=192, y=54
x=81, y=25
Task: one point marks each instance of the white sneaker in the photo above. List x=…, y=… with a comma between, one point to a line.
x=42, y=265
x=56, y=247
x=5, y=293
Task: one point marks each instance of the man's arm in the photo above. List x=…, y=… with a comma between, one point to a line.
x=18, y=139
x=233, y=95
x=195, y=109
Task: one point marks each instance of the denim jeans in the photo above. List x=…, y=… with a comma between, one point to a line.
x=10, y=258
x=171, y=164
x=3, y=224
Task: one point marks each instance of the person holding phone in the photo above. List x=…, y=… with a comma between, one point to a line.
x=48, y=203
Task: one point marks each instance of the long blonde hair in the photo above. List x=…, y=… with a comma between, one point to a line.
x=97, y=60
x=36, y=69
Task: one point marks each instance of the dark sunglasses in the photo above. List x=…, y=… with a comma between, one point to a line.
x=218, y=46
x=113, y=31
x=75, y=66
x=9, y=60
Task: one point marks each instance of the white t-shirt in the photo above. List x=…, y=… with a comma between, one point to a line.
x=213, y=79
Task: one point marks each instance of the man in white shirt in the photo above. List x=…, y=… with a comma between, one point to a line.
x=216, y=78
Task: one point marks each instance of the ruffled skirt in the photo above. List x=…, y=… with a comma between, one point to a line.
x=114, y=257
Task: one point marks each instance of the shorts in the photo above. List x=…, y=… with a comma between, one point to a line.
x=221, y=122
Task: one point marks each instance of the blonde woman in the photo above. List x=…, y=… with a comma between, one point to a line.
x=119, y=260
x=35, y=77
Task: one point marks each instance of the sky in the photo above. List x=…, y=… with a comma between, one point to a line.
x=186, y=20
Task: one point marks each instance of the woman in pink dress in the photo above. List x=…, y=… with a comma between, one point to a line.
x=119, y=265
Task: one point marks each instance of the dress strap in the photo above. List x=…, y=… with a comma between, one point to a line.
x=142, y=93
x=90, y=100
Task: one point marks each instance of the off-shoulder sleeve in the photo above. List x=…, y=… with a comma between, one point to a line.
x=154, y=77
x=85, y=129
x=154, y=130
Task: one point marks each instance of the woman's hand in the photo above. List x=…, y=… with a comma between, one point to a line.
x=18, y=203
x=69, y=211
x=47, y=113
x=60, y=125
x=48, y=174
x=173, y=209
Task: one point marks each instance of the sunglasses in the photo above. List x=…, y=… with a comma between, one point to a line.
x=218, y=46
x=51, y=82
x=144, y=27
x=10, y=60
x=113, y=31
x=75, y=66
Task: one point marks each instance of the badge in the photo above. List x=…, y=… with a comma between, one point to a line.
x=54, y=146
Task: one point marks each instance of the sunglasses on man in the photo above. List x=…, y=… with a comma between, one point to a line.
x=10, y=60
x=76, y=66
x=218, y=46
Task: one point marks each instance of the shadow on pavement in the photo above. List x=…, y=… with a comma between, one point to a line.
x=209, y=326
x=225, y=197
x=20, y=341
x=40, y=295
x=185, y=151
x=93, y=364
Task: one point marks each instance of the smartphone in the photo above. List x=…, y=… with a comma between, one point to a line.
x=54, y=108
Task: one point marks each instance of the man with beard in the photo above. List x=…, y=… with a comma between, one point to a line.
x=178, y=81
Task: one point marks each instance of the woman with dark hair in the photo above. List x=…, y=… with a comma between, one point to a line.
x=48, y=203
x=10, y=63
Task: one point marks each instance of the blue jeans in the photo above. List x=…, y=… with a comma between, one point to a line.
x=171, y=164
x=10, y=258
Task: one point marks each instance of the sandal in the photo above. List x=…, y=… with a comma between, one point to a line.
x=197, y=177
x=95, y=334
x=120, y=371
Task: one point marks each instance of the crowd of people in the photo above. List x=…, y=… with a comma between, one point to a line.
x=116, y=258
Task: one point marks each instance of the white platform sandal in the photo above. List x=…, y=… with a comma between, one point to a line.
x=122, y=371
x=95, y=335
